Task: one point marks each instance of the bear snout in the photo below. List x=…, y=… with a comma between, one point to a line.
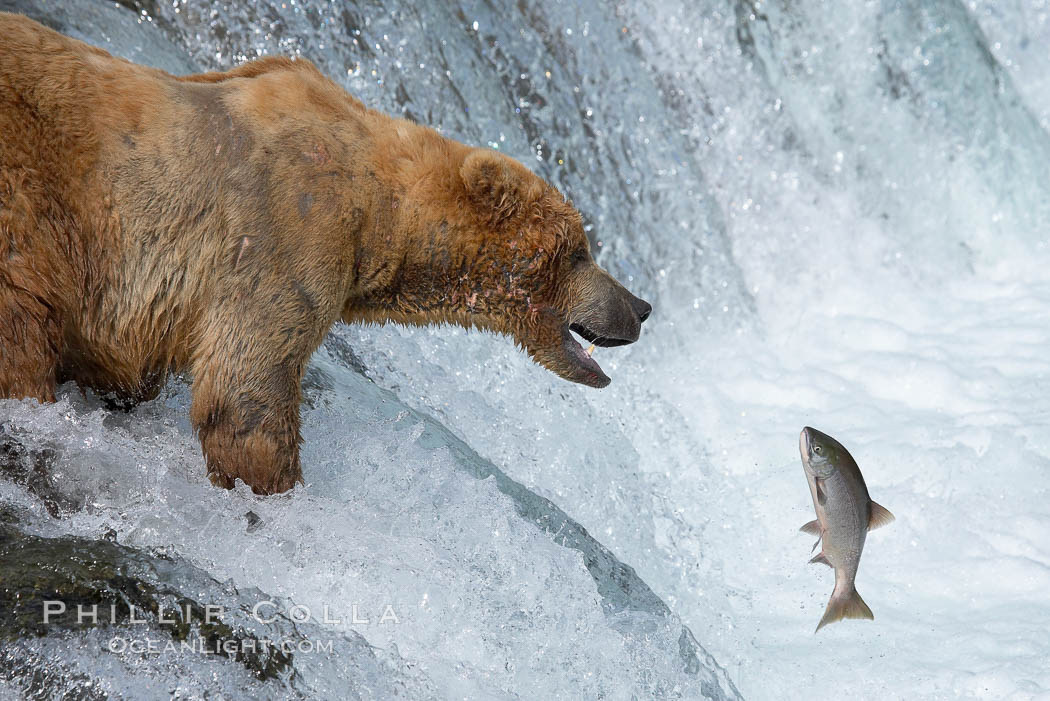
x=608, y=314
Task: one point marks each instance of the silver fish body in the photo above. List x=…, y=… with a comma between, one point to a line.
x=845, y=514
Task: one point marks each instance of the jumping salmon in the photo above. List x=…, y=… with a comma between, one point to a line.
x=845, y=514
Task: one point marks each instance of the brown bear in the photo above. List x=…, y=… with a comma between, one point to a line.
x=220, y=223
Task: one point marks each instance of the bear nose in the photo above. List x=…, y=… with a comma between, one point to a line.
x=642, y=308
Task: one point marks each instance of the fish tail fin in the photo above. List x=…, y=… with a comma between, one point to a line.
x=847, y=605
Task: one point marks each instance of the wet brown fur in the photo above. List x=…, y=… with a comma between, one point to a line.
x=220, y=223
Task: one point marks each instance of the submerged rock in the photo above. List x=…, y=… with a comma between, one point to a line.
x=53, y=585
x=82, y=618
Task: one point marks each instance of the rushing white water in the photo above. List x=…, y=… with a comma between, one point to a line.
x=838, y=212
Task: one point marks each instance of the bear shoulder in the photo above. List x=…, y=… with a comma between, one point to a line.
x=256, y=68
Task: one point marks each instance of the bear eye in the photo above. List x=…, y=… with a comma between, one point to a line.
x=578, y=257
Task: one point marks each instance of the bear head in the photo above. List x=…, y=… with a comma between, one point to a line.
x=485, y=243
x=533, y=272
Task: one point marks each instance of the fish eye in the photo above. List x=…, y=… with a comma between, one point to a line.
x=817, y=450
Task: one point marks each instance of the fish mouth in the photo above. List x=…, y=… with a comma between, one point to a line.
x=803, y=442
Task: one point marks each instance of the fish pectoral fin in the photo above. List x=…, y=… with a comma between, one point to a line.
x=822, y=497
x=821, y=558
x=813, y=527
x=880, y=516
x=848, y=605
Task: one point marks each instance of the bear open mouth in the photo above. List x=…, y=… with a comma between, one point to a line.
x=588, y=370
x=596, y=338
x=554, y=344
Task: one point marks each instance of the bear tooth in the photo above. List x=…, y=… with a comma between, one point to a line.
x=590, y=350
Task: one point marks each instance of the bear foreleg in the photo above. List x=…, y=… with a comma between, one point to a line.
x=247, y=419
x=28, y=346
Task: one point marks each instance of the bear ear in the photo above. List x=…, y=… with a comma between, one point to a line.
x=495, y=183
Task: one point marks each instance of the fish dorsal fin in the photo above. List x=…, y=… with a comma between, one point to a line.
x=813, y=527
x=880, y=516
